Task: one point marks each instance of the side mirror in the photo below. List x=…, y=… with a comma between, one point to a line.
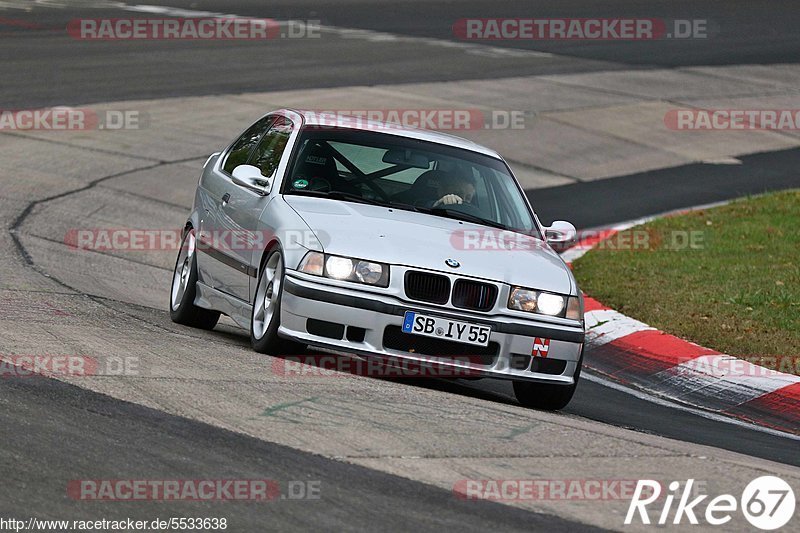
x=560, y=233
x=250, y=177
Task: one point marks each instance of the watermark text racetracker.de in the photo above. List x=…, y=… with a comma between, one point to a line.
x=153, y=239
x=636, y=239
x=337, y=366
x=741, y=366
x=582, y=29
x=196, y=490
x=441, y=119
x=72, y=119
x=545, y=489
x=732, y=119
x=193, y=29
x=67, y=365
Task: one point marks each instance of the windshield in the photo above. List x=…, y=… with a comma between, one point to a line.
x=382, y=169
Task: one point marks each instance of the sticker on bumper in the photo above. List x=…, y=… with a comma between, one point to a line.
x=540, y=347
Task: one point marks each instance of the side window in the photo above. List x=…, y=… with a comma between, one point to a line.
x=241, y=149
x=268, y=153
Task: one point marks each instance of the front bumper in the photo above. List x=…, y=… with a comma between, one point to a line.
x=306, y=297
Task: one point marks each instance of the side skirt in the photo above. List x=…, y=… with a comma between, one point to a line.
x=210, y=298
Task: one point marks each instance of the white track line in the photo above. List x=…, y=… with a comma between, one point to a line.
x=672, y=405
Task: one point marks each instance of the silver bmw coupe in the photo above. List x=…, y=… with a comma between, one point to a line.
x=380, y=241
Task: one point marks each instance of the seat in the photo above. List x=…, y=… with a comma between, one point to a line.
x=425, y=190
x=317, y=166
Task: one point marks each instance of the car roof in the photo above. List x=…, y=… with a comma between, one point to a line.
x=324, y=118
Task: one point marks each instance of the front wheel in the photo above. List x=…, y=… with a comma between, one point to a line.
x=184, y=288
x=265, y=319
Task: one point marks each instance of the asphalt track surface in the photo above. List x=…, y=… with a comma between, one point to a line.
x=52, y=70
x=154, y=445
x=659, y=191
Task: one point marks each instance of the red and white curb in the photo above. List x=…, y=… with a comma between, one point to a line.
x=632, y=353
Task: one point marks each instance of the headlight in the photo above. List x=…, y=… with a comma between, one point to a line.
x=550, y=304
x=523, y=300
x=545, y=303
x=368, y=272
x=339, y=267
x=345, y=269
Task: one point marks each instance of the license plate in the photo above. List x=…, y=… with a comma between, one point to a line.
x=446, y=329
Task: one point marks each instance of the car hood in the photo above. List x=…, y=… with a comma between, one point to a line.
x=402, y=237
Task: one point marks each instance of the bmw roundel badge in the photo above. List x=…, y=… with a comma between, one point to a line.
x=452, y=263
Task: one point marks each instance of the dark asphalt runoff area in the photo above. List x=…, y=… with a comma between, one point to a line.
x=53, y=431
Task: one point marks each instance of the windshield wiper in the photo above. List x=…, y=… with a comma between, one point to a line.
x=461, y=215
x=406, y=207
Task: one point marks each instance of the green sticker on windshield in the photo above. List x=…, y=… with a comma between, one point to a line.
x=300, y=184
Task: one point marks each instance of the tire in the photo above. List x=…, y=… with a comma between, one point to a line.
x=265, y=318
x=546, y=396
x=184, y=288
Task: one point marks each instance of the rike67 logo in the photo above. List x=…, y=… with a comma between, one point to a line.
x=767, y=502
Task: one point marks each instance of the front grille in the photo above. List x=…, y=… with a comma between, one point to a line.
x=427, y=287
x=469, y=294
x=395, y=339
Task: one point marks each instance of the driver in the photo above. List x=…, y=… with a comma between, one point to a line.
x=455, y=190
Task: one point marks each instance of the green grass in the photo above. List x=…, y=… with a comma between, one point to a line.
x=737, y=292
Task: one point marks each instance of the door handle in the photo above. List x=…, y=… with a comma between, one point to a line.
x=226, y=198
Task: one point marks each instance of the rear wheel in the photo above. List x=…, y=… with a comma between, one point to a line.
x=184, y=288
x=265, y=319
x=544, y=395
